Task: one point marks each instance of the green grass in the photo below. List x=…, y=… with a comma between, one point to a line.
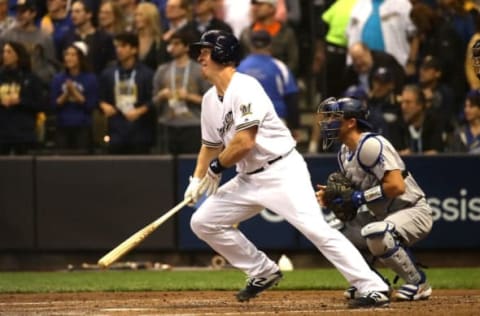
x=311, y=279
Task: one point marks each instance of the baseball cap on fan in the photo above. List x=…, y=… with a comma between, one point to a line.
x=24, y=5
x=431, y=62
x=383, y=75
x=272, y=2
x=260, y=39
x=81, y=46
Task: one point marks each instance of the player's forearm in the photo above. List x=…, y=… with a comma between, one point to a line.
x=233, y=154
x=238, y=148
x=393, y=184
x=205, y=155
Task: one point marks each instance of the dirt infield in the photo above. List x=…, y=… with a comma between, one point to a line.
x=443, y=302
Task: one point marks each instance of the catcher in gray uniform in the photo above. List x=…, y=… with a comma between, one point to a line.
x=376, y=200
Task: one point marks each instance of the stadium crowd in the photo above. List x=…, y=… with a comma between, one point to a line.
x=115, y=76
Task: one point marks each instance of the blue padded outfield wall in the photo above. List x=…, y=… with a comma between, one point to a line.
x=57, y=203
x=451, y=184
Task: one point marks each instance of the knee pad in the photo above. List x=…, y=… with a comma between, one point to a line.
x=380, y=238
x=383, y=243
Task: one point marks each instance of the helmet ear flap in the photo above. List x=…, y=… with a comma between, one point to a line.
x=225, y=46
x=219, y=54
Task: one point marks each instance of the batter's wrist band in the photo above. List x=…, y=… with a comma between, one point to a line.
x=216, y=166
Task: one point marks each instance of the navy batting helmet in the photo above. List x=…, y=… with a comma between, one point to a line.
x=224, y=45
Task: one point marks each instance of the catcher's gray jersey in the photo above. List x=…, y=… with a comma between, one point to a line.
x=366, y=167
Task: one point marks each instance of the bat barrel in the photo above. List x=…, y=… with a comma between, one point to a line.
x=138, y=237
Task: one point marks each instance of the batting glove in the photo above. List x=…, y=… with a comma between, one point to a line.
x=209, y=183
x=192, y=192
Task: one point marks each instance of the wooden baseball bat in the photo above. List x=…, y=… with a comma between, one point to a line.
x=133, y=241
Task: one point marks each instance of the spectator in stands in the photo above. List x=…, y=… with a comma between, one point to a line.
x=178, y=87
x=40, y=48
x=100, y=45
x=284, y=43
x=421, y=130
x=336, y=19
x=20, y=91
x=111, y=18
x=236, y=14
x=39, y=45
x=125, y=99
x=454, y=12
x=318, y=69
x=319, y=80
x=152, y=49
x=439, y=96
x=467, y=137
x=275, y=77
x=56, y=23
x=365, y=62
x=382, y=102
x=74, y=95
x=473, y=80
x=205, y=19
x=128, y=8
x=161, y=5
x=179, y=15
x=384, y=25
x=6, y=21
x=439, y=38
x=289, y=11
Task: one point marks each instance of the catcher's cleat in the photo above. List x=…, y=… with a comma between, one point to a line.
x=258, y=285
x=370, y=300
x=412, y=292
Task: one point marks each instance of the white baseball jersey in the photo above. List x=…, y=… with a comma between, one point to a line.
x=282, y=186
x=245, y=104
x=366, y=168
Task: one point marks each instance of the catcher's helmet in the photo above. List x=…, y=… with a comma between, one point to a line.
x=224, y=45
x=332, y=111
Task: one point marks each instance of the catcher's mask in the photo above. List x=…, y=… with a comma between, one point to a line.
x=331, y=113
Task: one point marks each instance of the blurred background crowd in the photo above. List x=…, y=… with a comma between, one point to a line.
x=115, y=76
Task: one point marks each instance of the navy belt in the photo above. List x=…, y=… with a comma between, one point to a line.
x=269, y=163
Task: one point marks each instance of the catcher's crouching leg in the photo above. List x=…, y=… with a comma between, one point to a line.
x=383, y=243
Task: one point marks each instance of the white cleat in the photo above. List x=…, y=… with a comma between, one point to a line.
x=412, y=292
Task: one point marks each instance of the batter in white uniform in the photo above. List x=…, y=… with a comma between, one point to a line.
x=240, y=127
x=398, y=214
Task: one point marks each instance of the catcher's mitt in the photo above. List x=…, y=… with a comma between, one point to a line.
x=338, y=197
